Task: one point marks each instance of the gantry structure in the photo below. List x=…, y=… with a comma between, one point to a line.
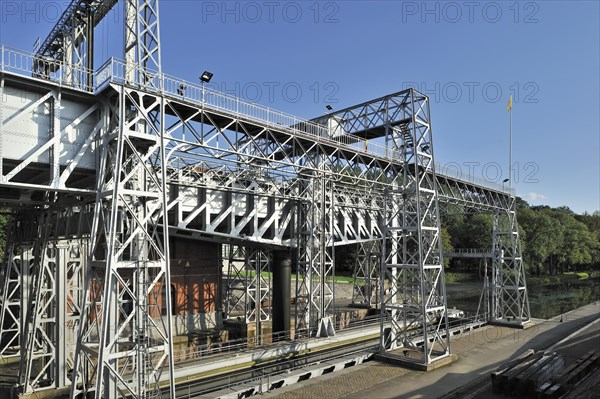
x=102, y=168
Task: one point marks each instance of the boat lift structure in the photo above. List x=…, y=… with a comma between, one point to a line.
x=104, y=169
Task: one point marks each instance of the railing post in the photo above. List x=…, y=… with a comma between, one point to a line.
x=2, y=58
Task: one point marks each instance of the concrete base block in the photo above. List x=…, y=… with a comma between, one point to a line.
x=412, y=364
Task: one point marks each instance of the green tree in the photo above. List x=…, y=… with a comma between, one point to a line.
x=578, y=243
x=472, y=232
x=446, y=244
x=542, y=236
x=3, y=232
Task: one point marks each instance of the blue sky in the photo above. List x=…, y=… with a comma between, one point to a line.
x=298, y=56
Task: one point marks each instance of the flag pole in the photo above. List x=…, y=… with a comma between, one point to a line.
x=510, y=175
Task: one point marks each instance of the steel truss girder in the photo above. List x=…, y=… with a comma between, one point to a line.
x=510, y=302
x=231, y=204
x=357, y=214
x=279, y=153
x=125, y=343
x=373, y=118
x=225, y=150
x=412, y=259
x=471, y=196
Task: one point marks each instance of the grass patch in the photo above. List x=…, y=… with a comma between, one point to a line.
x=457, y=278
x=341, y=279
x=562, y=278
x=267, y=275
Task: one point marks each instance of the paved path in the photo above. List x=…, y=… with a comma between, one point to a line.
x=480, y=352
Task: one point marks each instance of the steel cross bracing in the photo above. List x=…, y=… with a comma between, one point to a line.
x=366, y=274
x=248, y=282
x=43, y=277
x=314, y=286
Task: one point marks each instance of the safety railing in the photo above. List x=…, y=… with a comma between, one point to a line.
x=451, y=172
x=470, y=251
x=117, y=71
x=208, y=98
x=30, y=65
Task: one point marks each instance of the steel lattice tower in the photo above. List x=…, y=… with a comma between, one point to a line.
x=124, y=345
x=412, y=261
x=510, y=302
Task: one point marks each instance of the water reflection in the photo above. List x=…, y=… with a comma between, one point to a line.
x=545, y=301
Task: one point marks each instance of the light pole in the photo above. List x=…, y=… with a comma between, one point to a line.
x=205, y=78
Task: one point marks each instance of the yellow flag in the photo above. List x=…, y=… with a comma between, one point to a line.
x=509, y=105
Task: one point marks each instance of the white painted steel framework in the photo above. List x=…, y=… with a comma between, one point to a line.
x=510, y=304
x=137, y=156
x=248, y=282
x=412, y=259
x=366, y=274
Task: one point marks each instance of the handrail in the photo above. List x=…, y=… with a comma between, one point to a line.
x=451, y=172
x=117, y=71
x=28, y=64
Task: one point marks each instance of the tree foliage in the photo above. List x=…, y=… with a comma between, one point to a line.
x=553, y=240
x=3, y=232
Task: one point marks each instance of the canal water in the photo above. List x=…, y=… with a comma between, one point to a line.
x=545, y=301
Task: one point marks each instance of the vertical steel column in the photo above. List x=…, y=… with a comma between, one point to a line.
x=417, y=301
x=142, y=43
x=314, y=290
x=41, y=327
x=49, y=322
x=123, y=322
x=306, y=225
x=10, y=301
x=282, y=274
x=258, y=268
x=235, y=298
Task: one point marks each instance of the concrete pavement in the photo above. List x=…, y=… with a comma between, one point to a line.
x=479, y=352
